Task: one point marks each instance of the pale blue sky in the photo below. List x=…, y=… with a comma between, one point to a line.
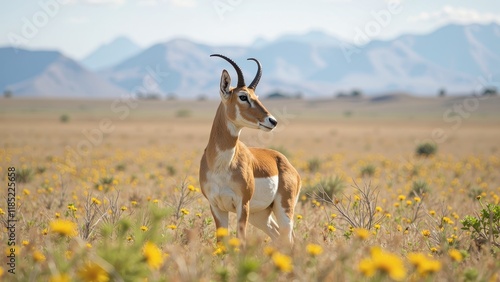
x=76, y=27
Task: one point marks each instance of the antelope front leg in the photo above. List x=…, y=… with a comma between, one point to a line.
x=243, y=214
x=221, y=218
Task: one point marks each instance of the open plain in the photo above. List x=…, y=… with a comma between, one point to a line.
x=107, y=190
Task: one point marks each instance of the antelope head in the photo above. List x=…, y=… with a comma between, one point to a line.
x=242, y=105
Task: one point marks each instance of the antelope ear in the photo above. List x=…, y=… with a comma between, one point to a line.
x=225, y=83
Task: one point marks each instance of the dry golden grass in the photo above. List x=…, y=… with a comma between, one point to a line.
x=135, y=200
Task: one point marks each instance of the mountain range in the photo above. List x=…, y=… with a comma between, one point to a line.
x=50, y=74
x=110, y=54
x=457, y=58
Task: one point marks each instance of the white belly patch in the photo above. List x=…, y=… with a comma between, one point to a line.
x=265, y=193
x=220, y=192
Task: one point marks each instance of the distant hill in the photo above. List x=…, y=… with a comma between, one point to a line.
x=456, y=58
x=452, y=57
x=186, y=67
x=110, y=54
x=50, y=74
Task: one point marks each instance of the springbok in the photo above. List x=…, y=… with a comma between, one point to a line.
x=252, y=182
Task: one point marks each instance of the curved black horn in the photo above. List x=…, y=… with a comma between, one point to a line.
x=241, y=80
x=255, y=81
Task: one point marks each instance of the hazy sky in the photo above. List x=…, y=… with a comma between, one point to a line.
x=76, y=27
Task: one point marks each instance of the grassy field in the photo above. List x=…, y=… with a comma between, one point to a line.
x=108, y=191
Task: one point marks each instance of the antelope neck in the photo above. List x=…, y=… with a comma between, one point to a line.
x=223, y=137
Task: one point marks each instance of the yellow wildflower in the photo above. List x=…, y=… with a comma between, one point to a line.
x=184, y=211
x=423, y=264
x=383, y=262
x=426, y=233
x=153, y=255
x=269, y=251
x=72, y=207
x=282, y=262
x=331, y=228
x=234, y=242
x=92, y=272
x=96, y=201
x=123, y=208
x=38, y=256
x=16, y=250
x=63, y=227
x=378, y=209
x=367, y=267
x=417, y=199
x=401, y=198
x=60, y=278
x=222, y=232
x=220, y=250
x=172, y=226
x=447, y=220
x=299, y=217
x=455, y=255
x=362, y=233
x=314, y=250
x=25, y=242
x=144, y=228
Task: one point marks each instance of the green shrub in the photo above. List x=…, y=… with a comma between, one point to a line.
x=40, y=169
x=104, y=183
x=171, y=170
x=314, y=164
x=183, y=113
x=419, y=188
x=426, y=149
x=368, y=170
x=484, y=227
x=24, y=175
x=331, y=186
x=64, y=118
x=474, y=192
x=121, y=167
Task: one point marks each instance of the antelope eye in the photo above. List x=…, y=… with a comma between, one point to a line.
x=243, y=98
